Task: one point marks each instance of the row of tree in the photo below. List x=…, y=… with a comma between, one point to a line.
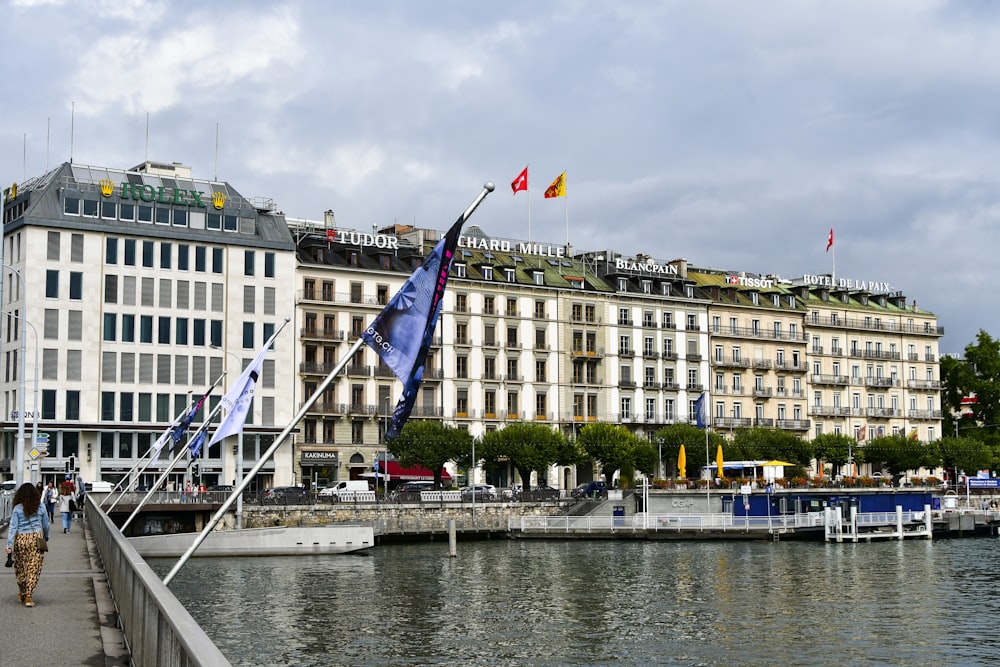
x=533, y=447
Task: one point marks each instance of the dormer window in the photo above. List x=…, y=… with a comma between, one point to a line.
x=689, y=291
x=487, y=273
x=539, y=277
x=508, y=273
x=776, y=300
x=755, y=298
x=647, y=286
x=459, y=270
x=622, y=284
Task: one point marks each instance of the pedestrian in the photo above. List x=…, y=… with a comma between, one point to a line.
x=28, y=521
x=67, y=500
x=40, y=487
x=51, y=497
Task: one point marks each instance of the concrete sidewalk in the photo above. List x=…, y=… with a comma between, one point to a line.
x=74, y=620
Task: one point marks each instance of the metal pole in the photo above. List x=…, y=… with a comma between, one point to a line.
x=34, y=416
x=19, y=452
x=239, y=446
x=264, y=458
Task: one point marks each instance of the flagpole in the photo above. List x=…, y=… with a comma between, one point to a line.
x=566, y=208
x=488, y=187
x=708, y=482
x=264, y=458
x=170, y=467
x=152, y=453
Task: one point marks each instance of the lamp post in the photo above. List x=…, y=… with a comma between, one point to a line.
x=385, y=451
x=19, y=452
x=239, y=447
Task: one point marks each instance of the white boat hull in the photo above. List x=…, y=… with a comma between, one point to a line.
x=278, y=541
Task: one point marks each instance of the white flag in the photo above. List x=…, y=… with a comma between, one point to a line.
x=237, y=399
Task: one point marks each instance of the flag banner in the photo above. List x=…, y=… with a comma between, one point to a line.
x=701, y=411
x=195, y=444
x=169, y=434
x=237, y=400
x=402, y=333
x=185, y=423
x=860, y=434
x=558, y=187
x=913, y=435
x=829, y=241
x=521, y=182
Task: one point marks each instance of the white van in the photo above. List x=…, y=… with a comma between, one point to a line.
x=345, y=486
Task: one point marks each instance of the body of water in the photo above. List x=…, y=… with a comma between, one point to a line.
x=581, y=603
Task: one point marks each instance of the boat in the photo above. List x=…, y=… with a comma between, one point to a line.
x=271, y=541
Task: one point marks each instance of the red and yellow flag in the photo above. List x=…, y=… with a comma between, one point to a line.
x=558, y=187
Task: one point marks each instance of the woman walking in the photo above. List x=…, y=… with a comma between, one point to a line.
x=28, y=521
x=50, y=498
x=67, y=495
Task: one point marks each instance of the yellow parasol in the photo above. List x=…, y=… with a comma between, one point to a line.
x=682, y=462
x=718, y=463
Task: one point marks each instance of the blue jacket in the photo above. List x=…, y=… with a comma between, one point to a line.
x=19, y=523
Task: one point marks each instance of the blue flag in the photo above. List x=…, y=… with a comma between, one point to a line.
x=185, y=422
x=402, y=332
x=196, y=443
x=701, y=411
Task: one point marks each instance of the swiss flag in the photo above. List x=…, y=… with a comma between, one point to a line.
x=521, y=182
x=829, y=241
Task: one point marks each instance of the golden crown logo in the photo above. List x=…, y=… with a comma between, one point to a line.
x=107, y=187
x=218, y=200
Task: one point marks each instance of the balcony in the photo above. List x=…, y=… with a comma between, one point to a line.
x=313, y=333
x=878, y=354
x=924, y=414
x=793, y=424
x=829, y=411
x=837, y=351
x=650, y=354
x=766, y=422
x=763, y=364
x=732, y=422
x=626, y=384
x=670, y=356
x=763, y=392
x=626, y=352
x=693, y=356
x=881, y=382
x=316, y=368
x=883, y=413
x=730, y=362
x=841, y=380
x=929, y=385
x=358, y=370
x=327, y=408
x=650, y=384
x=586, y=354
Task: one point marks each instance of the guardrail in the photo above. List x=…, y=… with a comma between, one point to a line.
x=159, y=630
x=658, y=523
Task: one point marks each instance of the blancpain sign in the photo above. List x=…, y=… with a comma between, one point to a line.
x=507, y=246
x=847, y=283
x=645, y=266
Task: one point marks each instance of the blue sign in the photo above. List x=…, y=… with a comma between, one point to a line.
x=981, y=483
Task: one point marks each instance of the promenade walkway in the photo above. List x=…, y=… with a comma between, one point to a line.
x=74, y=621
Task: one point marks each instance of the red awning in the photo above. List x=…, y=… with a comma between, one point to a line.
x=417, y=474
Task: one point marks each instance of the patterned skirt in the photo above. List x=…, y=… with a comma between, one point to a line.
x=27, y=562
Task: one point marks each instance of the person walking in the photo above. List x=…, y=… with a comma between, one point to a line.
x=28, y=521
x=67, y=497
x=51, y=497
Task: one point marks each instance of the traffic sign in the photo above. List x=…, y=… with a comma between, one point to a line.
x=34, y=453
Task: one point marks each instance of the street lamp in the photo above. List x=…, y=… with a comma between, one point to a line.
x=239, y=447
x=19, y=452
x=34, y=415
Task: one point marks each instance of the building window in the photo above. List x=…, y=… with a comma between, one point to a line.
x=248, y=259
x=269, y=264
x=166, y=255
x=147, y=254
x=51, y=284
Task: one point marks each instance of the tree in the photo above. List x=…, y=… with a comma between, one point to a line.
x=898, y=453
x=530, y=447
x=615, y=447
x=835, y=448
x=964, y=454
x=430, y=445
x=768, y=444
x=977, y=375
x=670, y=438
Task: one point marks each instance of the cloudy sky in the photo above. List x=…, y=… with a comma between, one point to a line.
x=733, y=134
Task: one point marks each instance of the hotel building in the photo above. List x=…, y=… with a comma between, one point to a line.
x=181, y=277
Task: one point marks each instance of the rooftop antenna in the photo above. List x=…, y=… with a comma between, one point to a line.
x=24, y=157
x=72, y=112
x=48, y=132
x=215, y=176
x=146, y=158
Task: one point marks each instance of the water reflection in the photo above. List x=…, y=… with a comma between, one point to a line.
x=604, y=603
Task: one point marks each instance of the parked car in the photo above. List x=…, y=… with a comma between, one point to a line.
x=590, y=489
x=479, y=492
x=540, y=493
x=345, y=487
x=284, y=494
x=414, y=487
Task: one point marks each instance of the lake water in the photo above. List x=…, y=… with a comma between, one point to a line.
x=508, y=602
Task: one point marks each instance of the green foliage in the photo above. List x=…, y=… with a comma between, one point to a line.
x=898, y=453
x=835, y=448
x=615, y=447
x=978, y=374
x=529, y=447
x=430, y=444
x=768, y=444
x=964, y=453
